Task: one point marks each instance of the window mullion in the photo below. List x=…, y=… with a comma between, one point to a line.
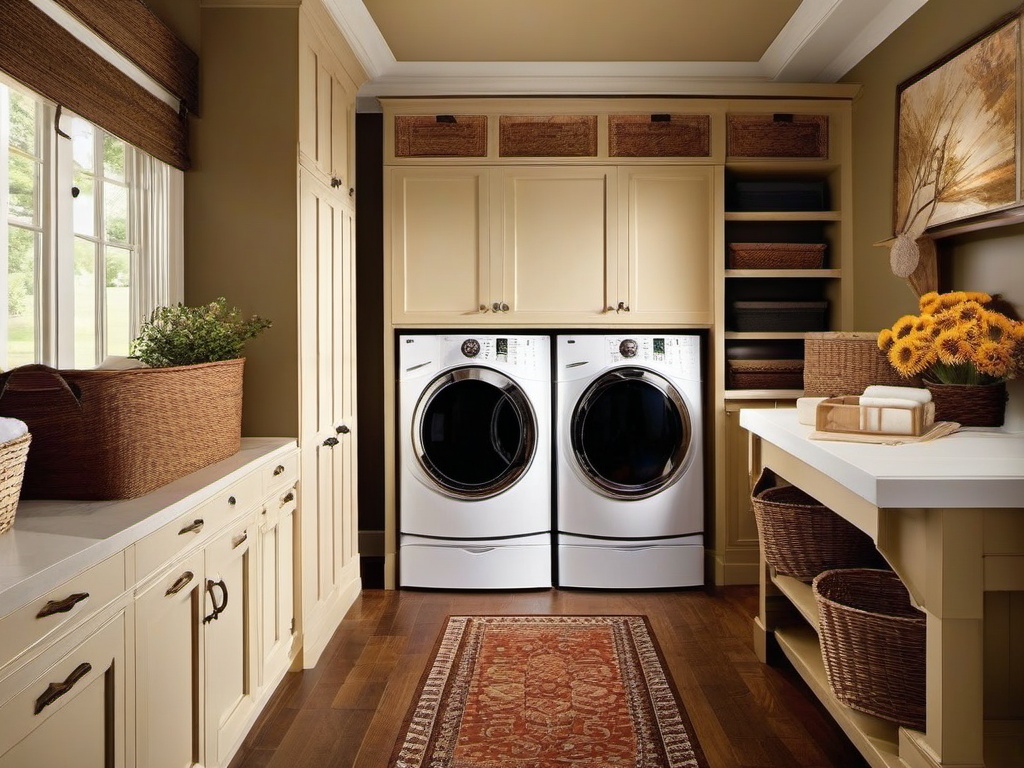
x=61, y=264
x=5, y=143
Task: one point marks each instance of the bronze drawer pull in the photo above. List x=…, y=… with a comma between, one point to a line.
x=290, y=496
x=278, y=469
x=194, y=527
x=55, y=690
x=61, y=606
x=239, y=540
x=180, y=583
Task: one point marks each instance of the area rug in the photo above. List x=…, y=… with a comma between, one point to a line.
x=547, y=692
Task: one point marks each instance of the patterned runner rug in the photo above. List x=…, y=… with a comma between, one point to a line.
x=547, y=692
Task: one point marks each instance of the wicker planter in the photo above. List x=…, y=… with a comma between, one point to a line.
x=12, y=469
x=969, y=405
x=841, y=363
x=801, y=537
x=872, y=644
x=120, y=434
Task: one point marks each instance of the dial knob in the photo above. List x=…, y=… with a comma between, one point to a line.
x=628, y=348
x=471, y=347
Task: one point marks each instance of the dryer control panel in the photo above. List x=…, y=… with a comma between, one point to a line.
x=672, y=351
x=515, y=351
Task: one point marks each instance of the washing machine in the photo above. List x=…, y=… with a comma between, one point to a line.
x=630, y=468
x=474, y=461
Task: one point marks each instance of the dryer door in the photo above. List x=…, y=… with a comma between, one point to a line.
x=474, y=432
x=631, y=433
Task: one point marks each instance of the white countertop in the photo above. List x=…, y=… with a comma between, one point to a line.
x=973, y=468
x=52, y=541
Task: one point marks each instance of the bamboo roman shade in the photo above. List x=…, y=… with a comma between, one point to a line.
x=40, y=53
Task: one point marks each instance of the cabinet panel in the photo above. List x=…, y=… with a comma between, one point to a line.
x=558, y=232
x=277, y=608
x=669, y=243
x=440, y=242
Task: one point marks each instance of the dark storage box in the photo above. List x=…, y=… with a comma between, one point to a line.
x=778, y=196
x=776, y=256
x=765, y=374
x=780, y=315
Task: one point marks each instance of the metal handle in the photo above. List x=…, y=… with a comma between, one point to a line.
x=343, y=429
x=504, y=307
x=496, y=307
x=335, y=182
x=330, y=442
x=278, y=469
x=623, y=307
x=61, y=606
x=194, y=527
x=239, y=540
x=484, y=308
x=232, y=501
x=179, y=583
x=217, y=609
x=55, y=690
x=290, y=496
x=351, y=191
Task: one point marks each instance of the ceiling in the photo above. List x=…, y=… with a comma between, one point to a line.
x=570, y=47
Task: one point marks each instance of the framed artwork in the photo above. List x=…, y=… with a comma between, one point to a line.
x=957, y=153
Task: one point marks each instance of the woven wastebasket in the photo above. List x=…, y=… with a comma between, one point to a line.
x=802, y=537
x=12, y=468
x=872, y=644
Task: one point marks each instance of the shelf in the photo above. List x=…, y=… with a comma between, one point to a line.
x=763, y=394
x=743, y=167
x=766, y=335
x=801, y=596
x=819, y=273
x=876, y=739
x=783, y=216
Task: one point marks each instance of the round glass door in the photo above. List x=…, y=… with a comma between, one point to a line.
x=474, y=432
x=631, y=433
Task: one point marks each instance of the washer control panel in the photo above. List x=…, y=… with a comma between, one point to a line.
x=670, y=350
x=514, y=351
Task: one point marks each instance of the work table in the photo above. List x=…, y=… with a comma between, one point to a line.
x=948, y=516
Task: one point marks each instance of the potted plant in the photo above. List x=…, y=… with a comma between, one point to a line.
x=965, y=345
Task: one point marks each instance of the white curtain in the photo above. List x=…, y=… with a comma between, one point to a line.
x=158, y=215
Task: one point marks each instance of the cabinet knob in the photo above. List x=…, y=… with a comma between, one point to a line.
x=290, y=496
x=496, y=307
x=335, y=182
x=232, y=501
x=504, y=307
x=623, y=307
x=351, y=191
x=330, y=442
x=342, y=429
x=278, y=469
x=483, y=308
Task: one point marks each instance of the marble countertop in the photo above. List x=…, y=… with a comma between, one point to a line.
x=973, y=468
x=53, y=541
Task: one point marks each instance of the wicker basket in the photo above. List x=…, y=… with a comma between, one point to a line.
x=845, y=364
x=12, y=469
x=120, y=434
x=765, y=374
x=872, y=644
x=801, y=537
x=776, y=255
x=970, y=405
x=792, y=316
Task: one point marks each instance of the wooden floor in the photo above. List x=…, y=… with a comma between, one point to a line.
x=348, y=710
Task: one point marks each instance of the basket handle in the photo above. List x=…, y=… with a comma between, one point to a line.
x=36, y=378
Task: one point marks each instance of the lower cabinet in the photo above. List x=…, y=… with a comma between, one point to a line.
x=277, y=587
x=71, y=709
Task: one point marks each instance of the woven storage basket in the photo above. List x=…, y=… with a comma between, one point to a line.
x=120, y=434
x=801, y=537
x=872, y=644
x=765, y=374
x=776, y=255
x=970, y=405
x=12, y=469
x=793, y=316
x=841, y=363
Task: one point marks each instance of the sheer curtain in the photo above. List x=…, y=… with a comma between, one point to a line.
x=157, y=268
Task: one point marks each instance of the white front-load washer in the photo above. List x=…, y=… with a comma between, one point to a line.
x=630, y=467
x=474, y=461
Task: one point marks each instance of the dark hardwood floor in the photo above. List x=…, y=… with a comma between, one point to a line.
x=348, y=710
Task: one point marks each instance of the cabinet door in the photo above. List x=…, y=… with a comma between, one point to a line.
x=169, y=668
x=73, y=712
x=559, y=229
x=228, y=620
x=277, y=608
x=667, y=247
x=440, y=245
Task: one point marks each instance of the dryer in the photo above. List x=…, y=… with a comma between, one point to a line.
x=630, y=467
x=474, y=461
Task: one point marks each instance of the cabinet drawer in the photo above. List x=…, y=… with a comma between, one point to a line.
x=547, y=136
x=441, y=136
x=659, y=135
x=62, y=608
x=281, y=503
x=196, y=525
x=281, y=473
x=777, y=135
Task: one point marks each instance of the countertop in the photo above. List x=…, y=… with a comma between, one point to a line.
x=52, y=541
x=973, y=468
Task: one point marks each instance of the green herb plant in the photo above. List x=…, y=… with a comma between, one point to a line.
x=180, y=335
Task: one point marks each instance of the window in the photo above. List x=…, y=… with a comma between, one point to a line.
x=91, y=236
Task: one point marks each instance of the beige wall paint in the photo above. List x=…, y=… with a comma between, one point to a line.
x=992, y=260
x=182, y=16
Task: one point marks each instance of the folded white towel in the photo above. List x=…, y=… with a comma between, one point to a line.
x=806, y=410
x=890, y=415
x=917, y=394
x=12, y=429
x=120, y=363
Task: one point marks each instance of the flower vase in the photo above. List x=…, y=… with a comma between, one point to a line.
x=969, y=405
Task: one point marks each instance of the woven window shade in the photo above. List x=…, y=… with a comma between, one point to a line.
x=38, y=52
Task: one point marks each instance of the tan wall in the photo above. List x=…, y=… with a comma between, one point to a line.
x=241, y=197
x=992, y=260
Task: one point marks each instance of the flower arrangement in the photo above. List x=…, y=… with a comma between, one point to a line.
x=180, y=335
x=961, y=337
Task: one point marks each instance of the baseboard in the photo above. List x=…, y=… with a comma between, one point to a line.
x=729, y=573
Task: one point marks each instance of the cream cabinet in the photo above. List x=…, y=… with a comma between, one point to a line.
x=277, y=624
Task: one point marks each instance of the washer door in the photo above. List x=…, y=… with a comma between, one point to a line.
x=631, y=434
x=474, y=432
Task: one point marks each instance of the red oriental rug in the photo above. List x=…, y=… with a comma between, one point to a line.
x=547, y=692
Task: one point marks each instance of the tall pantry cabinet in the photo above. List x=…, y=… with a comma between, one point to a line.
x=270, y=226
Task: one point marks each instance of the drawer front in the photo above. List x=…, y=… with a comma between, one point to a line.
x=280, y=503
x=62, y=608
x=196, y=526
x=281, y=473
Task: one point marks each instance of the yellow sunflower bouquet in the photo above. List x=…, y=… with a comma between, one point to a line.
x=959, y=338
